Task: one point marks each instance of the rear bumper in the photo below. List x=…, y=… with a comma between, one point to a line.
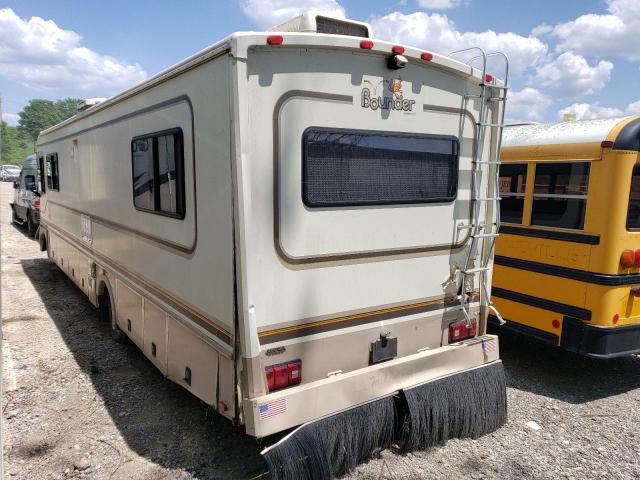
x=580, y=337
x=600, y=342
x=291, y=407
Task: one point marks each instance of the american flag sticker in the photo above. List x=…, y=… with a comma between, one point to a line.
x=273, y=408
x=489, y=346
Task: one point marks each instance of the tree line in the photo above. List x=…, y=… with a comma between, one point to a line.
x=19, y=142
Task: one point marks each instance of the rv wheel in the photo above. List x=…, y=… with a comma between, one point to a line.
x=31, y=228
x=105, y=314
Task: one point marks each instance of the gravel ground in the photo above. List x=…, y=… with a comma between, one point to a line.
x=78, y=405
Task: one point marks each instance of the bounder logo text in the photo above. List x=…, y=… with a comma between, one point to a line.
x=395, y=101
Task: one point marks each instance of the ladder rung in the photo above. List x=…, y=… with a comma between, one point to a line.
x=485, y=235
x=496, y=99
x=499, y=87
x=490, y=199
x=475, y=270
x=479, y=162
x=494, y=125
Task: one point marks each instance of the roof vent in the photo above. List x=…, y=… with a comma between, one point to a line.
x=89, y=102
x=316, y=23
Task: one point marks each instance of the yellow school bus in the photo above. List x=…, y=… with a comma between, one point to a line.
x=567, y=264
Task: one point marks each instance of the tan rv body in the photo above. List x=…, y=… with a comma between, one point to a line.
x=251, y=276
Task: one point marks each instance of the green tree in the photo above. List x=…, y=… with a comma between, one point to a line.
x=40, y=114
x=16, y=144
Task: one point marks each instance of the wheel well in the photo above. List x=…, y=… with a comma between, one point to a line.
x=42, y=240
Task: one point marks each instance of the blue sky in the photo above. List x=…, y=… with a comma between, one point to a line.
x=577, y=56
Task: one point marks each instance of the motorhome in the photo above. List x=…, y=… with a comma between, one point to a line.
x=297, y=227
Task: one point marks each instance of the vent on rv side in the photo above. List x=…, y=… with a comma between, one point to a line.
x=311, y=22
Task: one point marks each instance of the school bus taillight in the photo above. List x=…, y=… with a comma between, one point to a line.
x=628, y=258
x=284, y=375
x=460, y=330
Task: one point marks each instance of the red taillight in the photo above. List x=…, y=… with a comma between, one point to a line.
x=636, y=259
x=635, y=291
x=488, y=78
x=627, y=258
x=283, y=375
x=459, y=330
x=368, y=44
x=615, y=318
x=275, y=39
x=426, y=56
x=36, y=203
x=397, y=49
x=606, y=144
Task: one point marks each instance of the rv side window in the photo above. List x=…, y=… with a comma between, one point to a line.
x=560, y=195
x=633, y=213
x=157, y=163
x=53, y=180
x=41, y=175
x=513, y=179
x=342, y=168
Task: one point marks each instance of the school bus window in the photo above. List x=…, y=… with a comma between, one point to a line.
x=633, y=213
x=560, y=195
x=513, y=179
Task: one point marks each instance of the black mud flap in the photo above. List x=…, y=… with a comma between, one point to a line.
x=333, y=445
x=464, y=405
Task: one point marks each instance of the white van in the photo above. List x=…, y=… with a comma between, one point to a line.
x=296, y=226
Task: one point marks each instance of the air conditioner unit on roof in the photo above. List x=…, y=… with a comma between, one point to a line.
x=318, y=23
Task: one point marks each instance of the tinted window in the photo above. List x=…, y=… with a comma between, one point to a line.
x=51, y=167
x=158, y=179
x=41, y=170
x=513, y=178
x=560, y=195
x=348, y=168
x=633, y=214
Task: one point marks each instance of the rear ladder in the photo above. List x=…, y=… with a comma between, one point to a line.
x=483, y=234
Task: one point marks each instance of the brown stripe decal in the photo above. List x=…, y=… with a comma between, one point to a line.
x=346, y=321
x=198, y=318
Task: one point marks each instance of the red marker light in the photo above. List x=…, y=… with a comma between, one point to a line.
x=397, y=49
x=556, y=323
x=627, y=258
x=488, y=78
x=275, y=39
x=367, y=44
x=615, y=318
x=606, y=144
x=426, y=56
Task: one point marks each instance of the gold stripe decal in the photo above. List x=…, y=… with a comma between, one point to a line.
x=345, y=321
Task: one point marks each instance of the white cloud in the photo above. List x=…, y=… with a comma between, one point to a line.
x=541, y=30
x=41, y=55
x=527, y=105
x=439, y=4
x=435, y=32
x=589, y=111
x=571, y=76
x=614, y=33
x=633, y=108
x=269, y=13
x=10, y=118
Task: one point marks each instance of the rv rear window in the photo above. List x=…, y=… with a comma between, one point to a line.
x=157, y=162
x=355, y=167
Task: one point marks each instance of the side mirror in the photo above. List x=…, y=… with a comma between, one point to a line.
x=16, y=184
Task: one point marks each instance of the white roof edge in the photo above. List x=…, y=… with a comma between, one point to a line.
x=579, y=131
x=239, y=43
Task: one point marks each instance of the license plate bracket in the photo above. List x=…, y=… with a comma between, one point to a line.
x=383, y=349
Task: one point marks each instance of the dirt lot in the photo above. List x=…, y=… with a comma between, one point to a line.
x=79, y=405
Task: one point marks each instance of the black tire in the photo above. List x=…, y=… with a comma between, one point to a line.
x=31, y=227
x=105, y=314
x=14, y=217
